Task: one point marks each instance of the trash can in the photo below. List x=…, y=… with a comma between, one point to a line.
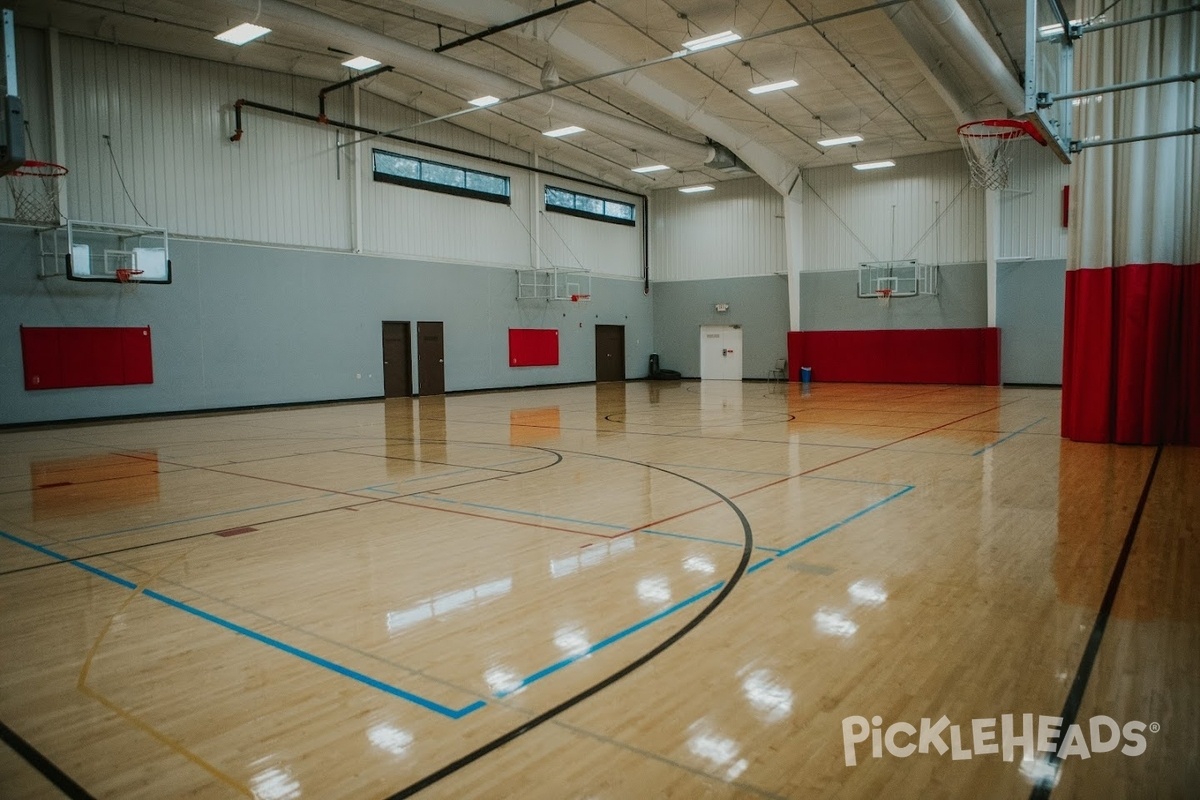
x=806, y=374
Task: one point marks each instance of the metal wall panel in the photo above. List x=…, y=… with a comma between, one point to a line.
x=604, y=248
x=168, y=120
x=736, y=230
x=924, y=208
x=1031, y=207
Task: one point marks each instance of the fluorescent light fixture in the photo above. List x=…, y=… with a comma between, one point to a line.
x=360, y=63
x=851, y=139
x=692, y=189
x=567, y=131
x=485, y=101
x=712, y=40
x=773, y=87
x=651, y=168
x=875, y=164
x=246, y=32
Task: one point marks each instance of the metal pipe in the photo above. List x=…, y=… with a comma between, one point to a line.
x=966, y=39
x=545, y=12
x=1102, y=26
x=1078, y=146
x=287, y=112
x=362, y=76
x=1119, y=87
x=454, y=75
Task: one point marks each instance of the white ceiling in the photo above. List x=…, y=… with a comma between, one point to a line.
x=856, y=74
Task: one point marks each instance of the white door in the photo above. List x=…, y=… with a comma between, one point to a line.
x=720, y=352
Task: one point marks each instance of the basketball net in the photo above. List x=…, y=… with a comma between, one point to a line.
x=885, y=296
x=34, y=190
x=986, y=143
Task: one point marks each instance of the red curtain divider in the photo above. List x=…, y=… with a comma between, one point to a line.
x=1131, y=355
x=928, y=355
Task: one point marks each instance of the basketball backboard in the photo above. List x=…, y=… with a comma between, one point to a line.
x=12, y=127
x=1049, y=69
x=103, y=252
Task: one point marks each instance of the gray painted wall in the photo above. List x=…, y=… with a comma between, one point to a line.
x=1030, y=302
x=829, y=302
x=249, y=325
x=758, y=304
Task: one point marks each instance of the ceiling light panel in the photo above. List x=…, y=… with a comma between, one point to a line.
x=773, y=87
x=240, y=34
x=712, y=40
x=567, y=131
x=693, y=189
x=875, y=164
x=835, y=141
x=360, y=63
x=651, y=168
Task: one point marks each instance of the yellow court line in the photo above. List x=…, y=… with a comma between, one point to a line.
x=145, y=727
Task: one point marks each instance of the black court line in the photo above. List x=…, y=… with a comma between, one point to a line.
x=571, y=702
x=45, y=766
x=1078, y=686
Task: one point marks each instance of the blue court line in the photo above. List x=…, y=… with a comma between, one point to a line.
x=195, y=519
x=555, y=667
x=600, y=645
x=354, y=675
x=582, y=522
x=831, y=528
x=689, y=537
x=1006, y=438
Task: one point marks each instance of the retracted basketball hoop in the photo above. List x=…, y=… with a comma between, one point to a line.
x=36, y=201
x=986, y=143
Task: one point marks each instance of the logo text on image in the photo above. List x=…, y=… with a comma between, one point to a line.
x=1100, y=734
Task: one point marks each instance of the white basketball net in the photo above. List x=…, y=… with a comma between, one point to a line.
x=987, y=144
x=35, y=195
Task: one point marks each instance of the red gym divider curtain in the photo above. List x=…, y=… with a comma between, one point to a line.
x=1131, y=361
x=1131, y=366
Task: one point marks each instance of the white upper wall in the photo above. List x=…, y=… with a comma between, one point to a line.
x=1031, y=207
x=736, y=230
x=924, y=208
x=169, y=118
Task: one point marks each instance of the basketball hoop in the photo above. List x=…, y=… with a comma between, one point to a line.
x=127, y=275
x=884, y=295
x=986, y=143
x=33, y=200
x=580, y=298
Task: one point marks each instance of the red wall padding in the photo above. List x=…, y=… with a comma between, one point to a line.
x=1131, y=355
x=65, y=358
x=532, y=347
x=932, y=355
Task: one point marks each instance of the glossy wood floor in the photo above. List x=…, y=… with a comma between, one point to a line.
x=620, y=591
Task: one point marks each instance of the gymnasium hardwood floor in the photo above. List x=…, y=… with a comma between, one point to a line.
x=622, y=591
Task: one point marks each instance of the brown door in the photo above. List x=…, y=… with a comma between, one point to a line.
x=431, y=371
x=610, y=353
x=397, y=360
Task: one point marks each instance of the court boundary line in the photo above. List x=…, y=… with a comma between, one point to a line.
x=724, y=592
x=276, y=644
x=1083, y=673
x=40, y=762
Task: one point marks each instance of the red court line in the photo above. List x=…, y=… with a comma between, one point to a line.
x=502, y=519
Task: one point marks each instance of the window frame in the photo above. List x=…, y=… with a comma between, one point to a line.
x=441, y=188
x=631, y=221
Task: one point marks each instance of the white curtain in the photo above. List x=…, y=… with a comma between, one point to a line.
x=1136, y=203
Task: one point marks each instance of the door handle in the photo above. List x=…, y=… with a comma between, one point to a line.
x=440, y=361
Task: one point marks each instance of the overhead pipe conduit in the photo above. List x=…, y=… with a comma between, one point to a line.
x=469, y=80
x=948, y=17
